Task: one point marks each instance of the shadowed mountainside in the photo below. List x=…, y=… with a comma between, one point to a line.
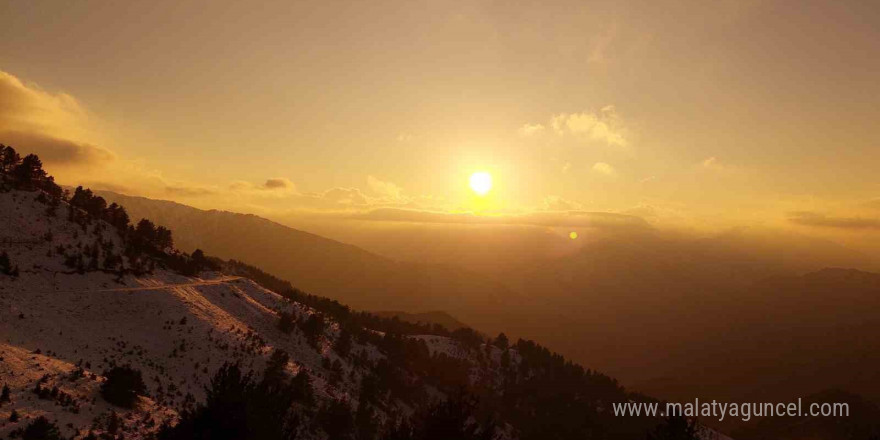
x=665, y=313
x=319, y=265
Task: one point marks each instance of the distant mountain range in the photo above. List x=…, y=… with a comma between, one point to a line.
x=107, y=331
x=710, y=318
x=665, y=313
x=319, y=265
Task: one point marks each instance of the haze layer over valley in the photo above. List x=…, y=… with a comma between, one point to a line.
x=654, y=308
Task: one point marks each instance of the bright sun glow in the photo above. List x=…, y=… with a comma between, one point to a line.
x=481, y=182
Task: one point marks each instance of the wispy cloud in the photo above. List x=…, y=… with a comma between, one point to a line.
x=557, y=203
x=383, y=188
x=604, y=126
x=604, y=169
x=530, y=130
x=711, y=163
x=808, y=218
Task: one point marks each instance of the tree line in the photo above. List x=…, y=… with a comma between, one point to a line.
x=145, y=244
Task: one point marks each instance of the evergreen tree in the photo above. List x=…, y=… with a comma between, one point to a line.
x=9, y=159
x=30, y=171
x=41, y=429
x=5, y=264
x=123, y=385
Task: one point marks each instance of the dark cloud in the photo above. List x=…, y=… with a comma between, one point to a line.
x=813, y=219
x=56, y=151
x=278, y=183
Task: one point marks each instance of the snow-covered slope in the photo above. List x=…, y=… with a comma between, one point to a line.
x=177, y=330
x=67, y=317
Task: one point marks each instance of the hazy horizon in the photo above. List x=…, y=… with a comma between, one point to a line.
x=690, y=116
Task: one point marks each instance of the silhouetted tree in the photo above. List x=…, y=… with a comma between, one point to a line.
x=30, y=171
x=117, y=216
x=5, y=264
x=343, y=343
x=238, y=408
x=364, y=424
x=336, y=420
x=286, y=322
x=123, y=385
x=41, y=429
x=453, y=419
x=145, y=232
x=164, y=241
x=275, y=367
x=9, y=159
x=313, y=327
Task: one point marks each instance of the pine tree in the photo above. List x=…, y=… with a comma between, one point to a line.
x=9, y=159
x=30, y=171
x=5, y=265
x=4, y=395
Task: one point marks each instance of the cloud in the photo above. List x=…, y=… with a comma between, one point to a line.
x=26, y=107
x=274, y=187
x=279, y=183
x=384, y=189
x=813, y=219
x=345, y=196
x=711, y=163
x=530, y=130
x=604, y=168
x=56, y=151
x=556, y=203
x=48, y=124
x=602, y=126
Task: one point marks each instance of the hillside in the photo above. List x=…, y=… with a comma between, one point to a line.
x=108, y=331
x=654, y=310
x=319, y=265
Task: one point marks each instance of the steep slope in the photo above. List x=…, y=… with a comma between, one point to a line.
x=70, y=314
x=319, y=265
x=177, y=330
x=651, y=309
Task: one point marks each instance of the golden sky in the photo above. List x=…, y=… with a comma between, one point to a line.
x=693, y=113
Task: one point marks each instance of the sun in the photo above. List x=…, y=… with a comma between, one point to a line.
x=481, y=182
